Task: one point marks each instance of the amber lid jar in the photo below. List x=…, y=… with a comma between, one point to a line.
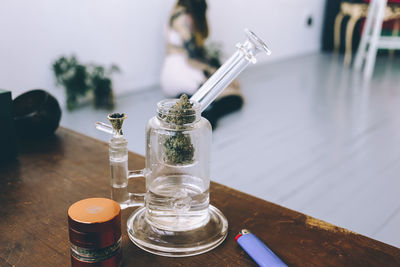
x=94, y=226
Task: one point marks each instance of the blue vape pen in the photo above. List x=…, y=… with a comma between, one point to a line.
x=257, y=250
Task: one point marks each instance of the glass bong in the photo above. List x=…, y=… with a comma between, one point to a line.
x=174, y=217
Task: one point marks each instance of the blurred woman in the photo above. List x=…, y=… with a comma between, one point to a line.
x=188, y=64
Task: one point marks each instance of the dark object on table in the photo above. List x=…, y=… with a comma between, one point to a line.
x=37, y=114
x=8, y=144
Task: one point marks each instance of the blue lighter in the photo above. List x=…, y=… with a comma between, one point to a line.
x=257, y=250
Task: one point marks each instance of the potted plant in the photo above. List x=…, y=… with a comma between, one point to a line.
x=81, y=81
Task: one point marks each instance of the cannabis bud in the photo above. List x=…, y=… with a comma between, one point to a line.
x=178, y=147
x=182, y=112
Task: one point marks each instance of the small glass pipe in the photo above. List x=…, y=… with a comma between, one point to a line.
x=230, y=69
x=118, y=155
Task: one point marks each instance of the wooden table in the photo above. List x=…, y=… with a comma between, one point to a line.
x=50, y=175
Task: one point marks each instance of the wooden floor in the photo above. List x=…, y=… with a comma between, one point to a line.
x=312, y=137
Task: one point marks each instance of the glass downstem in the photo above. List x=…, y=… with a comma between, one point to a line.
x=230, y=69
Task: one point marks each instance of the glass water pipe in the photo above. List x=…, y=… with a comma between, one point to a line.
x=207, y=93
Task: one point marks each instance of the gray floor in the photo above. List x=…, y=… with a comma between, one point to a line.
x=312, y=137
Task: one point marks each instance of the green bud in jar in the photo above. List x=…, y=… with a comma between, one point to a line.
x=178, y=147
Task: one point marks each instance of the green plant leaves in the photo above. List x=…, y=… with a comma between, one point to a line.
x=78, y=79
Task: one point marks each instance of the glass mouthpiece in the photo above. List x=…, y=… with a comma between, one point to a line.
x=230, y=69
x=257, y=41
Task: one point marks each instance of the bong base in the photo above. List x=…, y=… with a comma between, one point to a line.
x=177, y=243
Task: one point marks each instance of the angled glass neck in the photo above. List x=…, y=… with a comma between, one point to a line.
x=244, y=55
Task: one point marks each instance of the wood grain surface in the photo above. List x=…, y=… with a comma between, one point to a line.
x=50, y=175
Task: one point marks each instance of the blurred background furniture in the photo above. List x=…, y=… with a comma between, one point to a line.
x=357, y=10
x=371, y=40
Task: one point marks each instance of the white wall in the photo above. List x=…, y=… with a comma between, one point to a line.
x=281, y=23
x=130, y=33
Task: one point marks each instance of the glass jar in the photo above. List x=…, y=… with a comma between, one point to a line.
x=176, y=219
x=178, y=168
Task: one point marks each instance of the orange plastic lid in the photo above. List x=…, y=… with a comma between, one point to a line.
x=94, y=210
x=94, y=222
